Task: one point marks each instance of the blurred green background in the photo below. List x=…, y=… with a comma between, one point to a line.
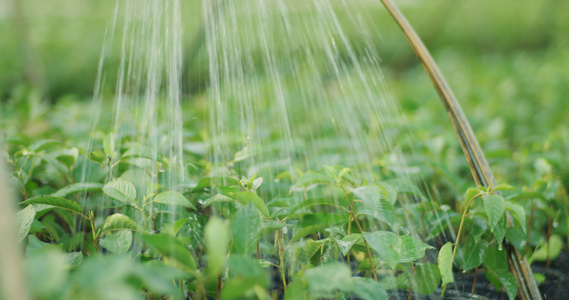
x=506, y=61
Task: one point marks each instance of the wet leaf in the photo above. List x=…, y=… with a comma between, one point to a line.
x=412, y=248
x=474, y=253
x=427, y=279
x=120, y=190
x=171, y=247
x=117, y=243
x=43, y=144
x=309, y=178
x=496, y=268
x=120, y=222
x=386, y=244
x=495, y=207
x=55, y=202
x=368, y=289
x=208, y=182
x=551, y=249
x=245, y=229
x=216, y=239
x=249, y=197
x=316, y=222
x=173, y=198
x=445, y=264
x=25, y=219
x=324, y=280
x=78, y=188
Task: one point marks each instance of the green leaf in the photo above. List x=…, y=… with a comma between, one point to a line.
x=245, y=228
x=495, y=207
x=312, y=246
x=55, y=202
x=313, y=202
x=412, y=249
x=248, y=197
x=344, y=246
x=218, y=198
x=178, y=224
x=325, y=280
x=46, y=272
x=171, y=247
x=310, y=178
x=269, y=227
x=141, y=180
x=518, y=211
x=216, y=239
x=246, y=278
x=370, y=195
x=295, y=291
x=34, y=244
x=445, y=264
x=427, y=279
x=42, y=145
x=63, y=169
x=73, y=258
x=265, y=263
x=391, y=192
x=496, y=266
x=386, y=244
x=381, y=210
x=368, y=289
x=500, y=230
x=78, y=188
x=159, y=278
x=67, y=160
x=120, y=222
x=527, y=195
x=548, y=250
x=173, y=198
x=405, y=186
x=120, y=190
x=208, y=182
x=470, y=193
x=474, y=252
x=25, y=219
x=316, y=222
x=141, y=151
x=365, y=265
x=504, y=187
x=109, y=144
x=117, y=243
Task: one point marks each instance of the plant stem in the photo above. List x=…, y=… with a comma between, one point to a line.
x=94, y=232
x=353, y=216
x=412, y=281
x=529, y=227
x=218, y=286
x=367, y=247
x=547, y=239
x=462, y=223
x=282, y=268
x=475, y=278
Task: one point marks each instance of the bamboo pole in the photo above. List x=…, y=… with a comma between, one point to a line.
x=527, y=287
x=12, y=278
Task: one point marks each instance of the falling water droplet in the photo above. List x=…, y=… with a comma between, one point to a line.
x=500, y=248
